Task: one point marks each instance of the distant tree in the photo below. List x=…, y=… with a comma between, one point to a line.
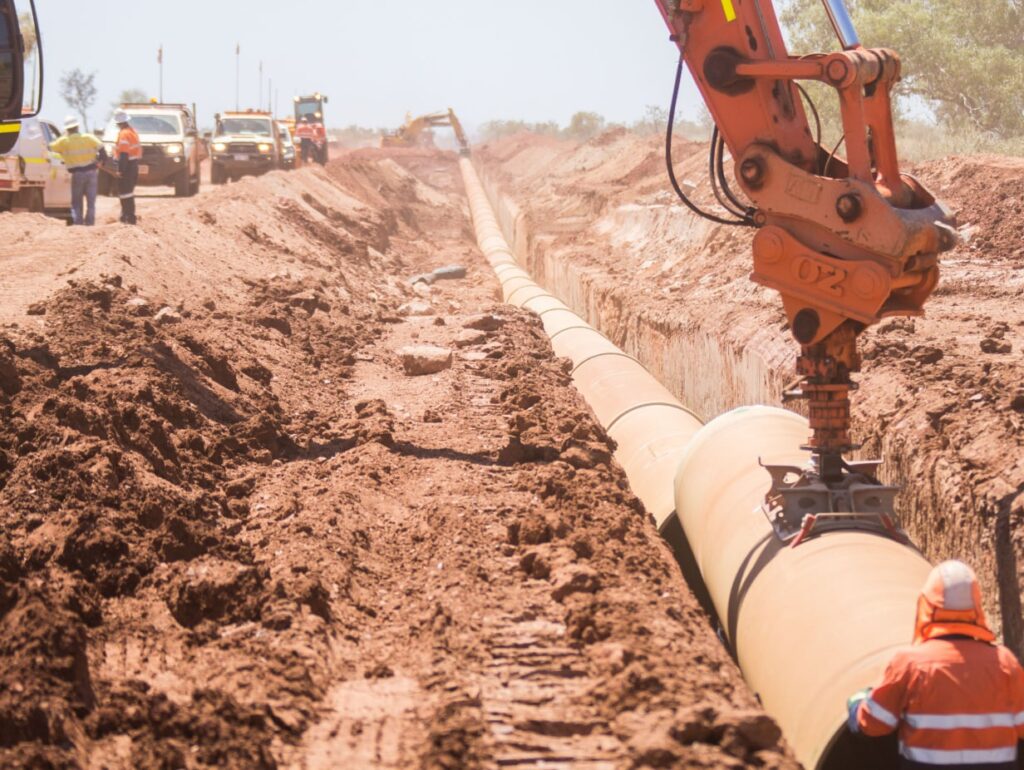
x=356, y=136
x=28, y=32
x=654, y=121
x=585, y=125
x=964, y=60
x=496, y=129
x=130, y=96
x=79, y=91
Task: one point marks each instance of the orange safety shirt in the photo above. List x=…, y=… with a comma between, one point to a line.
x=128, y=144
x=955, y=701
x=305, y=131
x=956, y=697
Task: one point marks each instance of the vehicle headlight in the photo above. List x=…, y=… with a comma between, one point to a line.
x=264, y=148
x=220, y=147
x=173, y=149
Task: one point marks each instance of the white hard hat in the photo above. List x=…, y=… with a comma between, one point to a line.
x=71, y=122
x=120, y=116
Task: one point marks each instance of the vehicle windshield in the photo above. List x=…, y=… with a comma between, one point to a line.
x=254, y=126
x=149, y=125
x=308, y=108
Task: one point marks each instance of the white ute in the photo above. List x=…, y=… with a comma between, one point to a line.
x=32, y=178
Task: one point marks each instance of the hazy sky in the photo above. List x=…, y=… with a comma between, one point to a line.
x=529, y=59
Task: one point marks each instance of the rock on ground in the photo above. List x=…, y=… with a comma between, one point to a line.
x=425, y=359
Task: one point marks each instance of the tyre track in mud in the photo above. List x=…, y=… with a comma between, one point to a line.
x=234, y=533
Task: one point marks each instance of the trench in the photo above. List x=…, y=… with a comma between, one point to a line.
x=700, y=483
x=713, y=371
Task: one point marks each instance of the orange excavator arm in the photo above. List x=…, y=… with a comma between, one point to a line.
x=846, y=242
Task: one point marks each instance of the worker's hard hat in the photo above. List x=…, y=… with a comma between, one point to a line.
x=71, y=122
x=120, y=116
x=951, y=603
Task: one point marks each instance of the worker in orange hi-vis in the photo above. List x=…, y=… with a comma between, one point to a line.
x=320, y=142
x=127, y=153
x=306, y=134
x=955, y=696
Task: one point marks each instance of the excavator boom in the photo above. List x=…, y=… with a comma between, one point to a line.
x=414, y=130
x=845, y=241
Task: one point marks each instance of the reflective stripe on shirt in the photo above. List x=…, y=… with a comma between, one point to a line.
x=961, y=721
x=880, y=713
x=128, y=144
x=77, y=149
x=959, y=756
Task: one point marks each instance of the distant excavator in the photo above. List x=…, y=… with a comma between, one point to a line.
x=417, y=131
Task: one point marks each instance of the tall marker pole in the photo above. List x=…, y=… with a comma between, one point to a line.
x=238, y=73
x=160, y=61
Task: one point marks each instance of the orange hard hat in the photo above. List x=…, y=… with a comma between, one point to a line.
x=950, y=604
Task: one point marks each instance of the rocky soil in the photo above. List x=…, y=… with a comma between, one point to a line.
x=247, y=521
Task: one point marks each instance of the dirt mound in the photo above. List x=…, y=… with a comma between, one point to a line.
x=940, y=397
x=234, y=533
x=986, y=193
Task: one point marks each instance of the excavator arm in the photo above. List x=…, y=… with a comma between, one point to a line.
x=846, y=242
x=410, y=134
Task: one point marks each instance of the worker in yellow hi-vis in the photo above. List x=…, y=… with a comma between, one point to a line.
x=82, y=154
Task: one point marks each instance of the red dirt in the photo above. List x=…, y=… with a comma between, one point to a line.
x=941, y=397
x=233, y=533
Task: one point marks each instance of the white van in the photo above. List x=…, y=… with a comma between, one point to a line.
x=32, y=178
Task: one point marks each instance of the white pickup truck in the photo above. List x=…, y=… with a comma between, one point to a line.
x=32, y=178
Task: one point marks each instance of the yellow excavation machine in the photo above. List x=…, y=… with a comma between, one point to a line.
x=417, y=132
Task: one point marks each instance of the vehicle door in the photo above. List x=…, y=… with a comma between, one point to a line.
x=33, y=152
x=275, y=130
x=57, y=192
x=193, y=147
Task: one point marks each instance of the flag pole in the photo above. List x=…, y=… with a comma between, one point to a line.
x=160, y=61
x=238, y=73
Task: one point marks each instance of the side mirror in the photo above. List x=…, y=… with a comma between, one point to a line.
x=17, y=44
x=192, y=133
x=208, y=135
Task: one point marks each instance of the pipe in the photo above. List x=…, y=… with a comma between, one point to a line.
x=808, y=625
x=627, y=400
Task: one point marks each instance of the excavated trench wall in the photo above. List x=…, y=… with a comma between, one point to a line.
x=715, y=372
x=714, y=377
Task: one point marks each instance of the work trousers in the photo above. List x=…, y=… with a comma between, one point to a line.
x=307, y=150
x=83, y=191
x=129, y=170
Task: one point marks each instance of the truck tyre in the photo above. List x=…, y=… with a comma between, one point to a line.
x=182, y=184
x=194, y=187
x=30, y=200
x=217, y=175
